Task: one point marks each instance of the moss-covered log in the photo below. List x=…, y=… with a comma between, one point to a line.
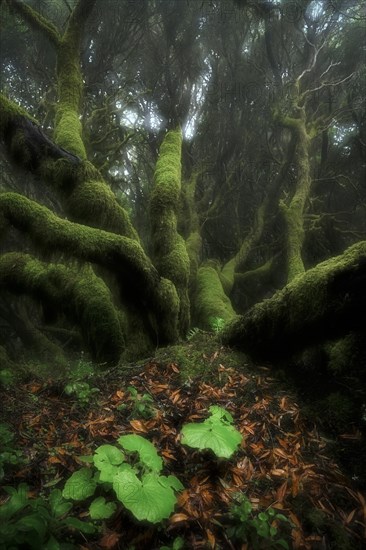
x=327, y=302
x=75, y=292
x=170, y=253
x=122, y=256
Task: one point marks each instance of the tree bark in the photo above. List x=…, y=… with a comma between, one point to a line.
x=325, y=303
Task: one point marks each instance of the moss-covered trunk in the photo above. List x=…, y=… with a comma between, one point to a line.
x=293, y=210
x=169, y=248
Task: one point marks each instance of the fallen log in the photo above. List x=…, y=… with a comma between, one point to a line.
x=325, y=303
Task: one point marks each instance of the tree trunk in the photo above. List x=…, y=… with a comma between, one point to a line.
x=326, y=302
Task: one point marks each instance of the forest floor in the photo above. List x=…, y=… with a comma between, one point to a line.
x=283, y=464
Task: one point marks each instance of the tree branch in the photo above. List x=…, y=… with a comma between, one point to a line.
x=122, y=256
x=36, y=21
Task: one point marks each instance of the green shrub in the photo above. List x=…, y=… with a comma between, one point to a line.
x=257, y=529
x=37, y=523
x=142, y=405
x=138, y=485
x=81, y=391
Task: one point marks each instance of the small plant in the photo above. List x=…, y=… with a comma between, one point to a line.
x=193, y=332
x=7, y=378
x=216, y=433
x=77, y=386
x=258, y=529
x=36, y=523
x=81, y=390
x=8, y=454
x=139, y=486
x=142, y=405
x=217, y=324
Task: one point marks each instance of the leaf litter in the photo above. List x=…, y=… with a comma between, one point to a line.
x=282, y=463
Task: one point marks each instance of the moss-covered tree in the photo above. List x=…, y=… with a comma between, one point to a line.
x=131, y=128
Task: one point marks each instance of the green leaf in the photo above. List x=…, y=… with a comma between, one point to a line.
x=80, y=485
x=82, y=526
x=150, y=499
x=146, y=450
x=33, y=523
x=174, y=483
x=18, y=500
x=100, y=509
x=133, y=391
x=107, y=458
x=215, y=434
x=220, y=414
x=59, y=506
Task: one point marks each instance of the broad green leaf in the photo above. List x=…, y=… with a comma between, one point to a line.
x=80, y=485
x=214, y=433
x=107, y=458
x=146, y=450
x=100, y=509
x=150, y=499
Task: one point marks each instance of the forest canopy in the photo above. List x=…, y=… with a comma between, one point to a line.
x=170, y=164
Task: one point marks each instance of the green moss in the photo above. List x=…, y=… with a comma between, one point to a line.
x=227, y=276
x=93, y=203
x=294, y=240
x=75, y=292
x=122, y=256
x=341, y=354
x=168, y=307
x=211, y=301
x=68, y=131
